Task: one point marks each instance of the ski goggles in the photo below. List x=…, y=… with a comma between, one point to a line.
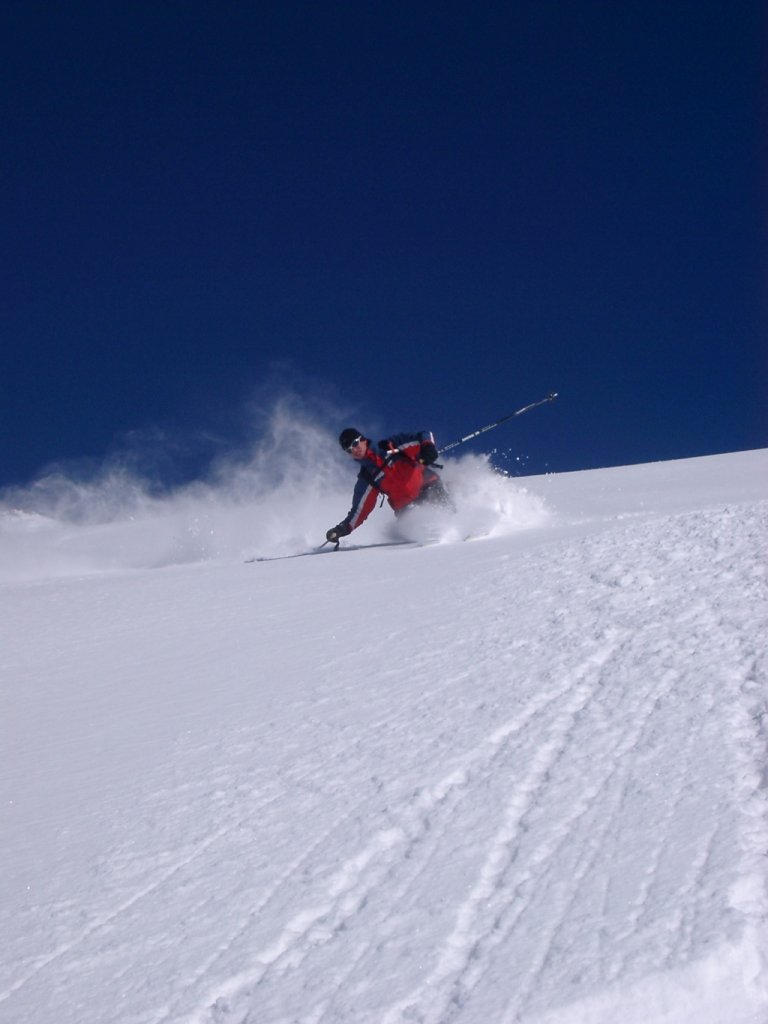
x=354, y=444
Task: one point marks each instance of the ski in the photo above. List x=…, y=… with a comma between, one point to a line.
x=331, y=551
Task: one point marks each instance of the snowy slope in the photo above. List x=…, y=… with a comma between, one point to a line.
x=514, y=780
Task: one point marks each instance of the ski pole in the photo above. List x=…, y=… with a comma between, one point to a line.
x=454, y=444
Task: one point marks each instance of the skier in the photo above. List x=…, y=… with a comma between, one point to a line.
x=399, y=469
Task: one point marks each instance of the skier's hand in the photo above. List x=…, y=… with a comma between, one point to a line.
x=428, y=454
x=337, y=532
x=386, y=445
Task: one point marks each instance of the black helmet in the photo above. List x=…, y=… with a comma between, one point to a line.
x=348, y=436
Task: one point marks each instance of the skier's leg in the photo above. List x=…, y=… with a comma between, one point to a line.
x=435, y=493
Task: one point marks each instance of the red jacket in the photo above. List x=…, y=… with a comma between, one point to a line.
x=395, y=473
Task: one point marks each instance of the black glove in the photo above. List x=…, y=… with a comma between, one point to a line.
x=428, y=453
x=386, y=445
x=337, y=532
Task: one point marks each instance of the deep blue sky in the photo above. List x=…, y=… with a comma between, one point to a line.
x=430, y=213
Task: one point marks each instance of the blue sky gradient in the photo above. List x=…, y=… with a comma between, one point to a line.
x=414, y=215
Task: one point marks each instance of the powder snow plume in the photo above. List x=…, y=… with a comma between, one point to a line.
x=278, y=496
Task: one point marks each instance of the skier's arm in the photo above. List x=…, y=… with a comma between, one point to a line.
x=363, y=503
x=419, y=447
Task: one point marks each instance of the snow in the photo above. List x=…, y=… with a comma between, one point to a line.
x=517, y=780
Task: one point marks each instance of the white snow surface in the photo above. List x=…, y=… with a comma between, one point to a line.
x=515, y=780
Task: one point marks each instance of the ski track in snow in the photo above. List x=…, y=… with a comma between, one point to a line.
x=512, y=812
x=487, y=915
